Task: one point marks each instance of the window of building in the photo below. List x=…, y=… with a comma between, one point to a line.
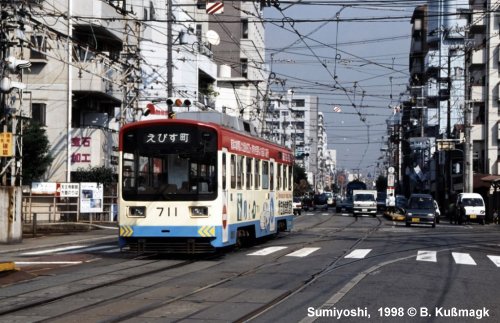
x=244, y=28
x=38, y=47
x=38, y=113
x=244, y=67
x=299, y=103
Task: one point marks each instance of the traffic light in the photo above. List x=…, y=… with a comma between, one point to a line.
x=178, y=102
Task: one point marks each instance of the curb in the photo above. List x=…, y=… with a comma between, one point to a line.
x=7, y=266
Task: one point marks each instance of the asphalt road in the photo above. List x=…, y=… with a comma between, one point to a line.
x=330, y=267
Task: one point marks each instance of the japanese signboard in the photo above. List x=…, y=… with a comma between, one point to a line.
x=68, y=189
x=6, y=144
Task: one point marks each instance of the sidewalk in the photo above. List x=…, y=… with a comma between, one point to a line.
x=99, y=233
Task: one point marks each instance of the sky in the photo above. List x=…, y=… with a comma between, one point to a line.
x=371, y=41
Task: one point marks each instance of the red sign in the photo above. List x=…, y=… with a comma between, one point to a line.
x=214, y=8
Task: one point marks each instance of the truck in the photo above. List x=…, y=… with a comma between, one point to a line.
x=364, y=202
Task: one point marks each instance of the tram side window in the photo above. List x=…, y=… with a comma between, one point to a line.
x=271, y=176
x=278, y=177
x=233, y=171
x=257, y=173
x=239, y=173
x=265, y=175
x=249, y=172
x=285, y=181
x=224, y=171
x=290, y=177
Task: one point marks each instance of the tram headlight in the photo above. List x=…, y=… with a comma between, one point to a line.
x=139, y=211
x=199, y=211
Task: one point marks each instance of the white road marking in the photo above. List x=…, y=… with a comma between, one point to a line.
x=87, y=249
x=41, y=252
x=113, y=250
x=358, y=253
x=463, y=258
x=26, y=263
x=424, y=255
x=302, y=252
x=495, y=259
x=266, y=251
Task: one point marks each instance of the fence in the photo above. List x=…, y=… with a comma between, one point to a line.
x=50, y=208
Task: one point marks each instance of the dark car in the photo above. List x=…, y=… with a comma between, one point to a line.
x=345, y=206
x=420, y=210
x=381, y=206
x=307, y=203
x=320, y=202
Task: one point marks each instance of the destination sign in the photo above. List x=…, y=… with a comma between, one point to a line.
x=167, y=138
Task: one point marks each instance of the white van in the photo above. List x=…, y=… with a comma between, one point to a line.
x=471, y=206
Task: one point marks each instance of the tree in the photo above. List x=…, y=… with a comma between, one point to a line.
x=300, y=184
x=98, y=174
x=36, y=157
x=381, y=183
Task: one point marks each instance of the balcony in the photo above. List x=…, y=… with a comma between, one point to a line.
x=97, y=10
x=96, y=76
x=478, y=57
x=477, y=93
x=478, y=20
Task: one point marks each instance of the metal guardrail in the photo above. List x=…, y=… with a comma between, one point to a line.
x=49, y=208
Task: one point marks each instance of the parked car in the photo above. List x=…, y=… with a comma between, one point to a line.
x=401, y=203
x=307, y=203
x=297, y=205
x=470, y=207
x=438, y=211
x=420, y=210
x=331, y=199
x=320, y=202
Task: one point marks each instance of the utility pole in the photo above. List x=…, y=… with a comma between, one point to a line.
x=169, y=52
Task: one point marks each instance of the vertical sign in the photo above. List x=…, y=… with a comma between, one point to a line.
x=6, y=144
x=91, y=197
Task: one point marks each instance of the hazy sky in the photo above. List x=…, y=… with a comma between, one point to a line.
x=371, y=42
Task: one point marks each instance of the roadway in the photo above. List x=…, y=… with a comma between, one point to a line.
x=331, y=264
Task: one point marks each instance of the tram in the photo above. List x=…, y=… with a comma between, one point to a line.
x=200, y=182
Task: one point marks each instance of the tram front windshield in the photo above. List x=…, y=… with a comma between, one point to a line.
x=169, y=162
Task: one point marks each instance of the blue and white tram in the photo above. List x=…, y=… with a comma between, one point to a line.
x=189, y=186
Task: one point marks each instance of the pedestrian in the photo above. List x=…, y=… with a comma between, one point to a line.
x=495, y=216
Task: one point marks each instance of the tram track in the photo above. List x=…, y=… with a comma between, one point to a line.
x=217, y=281
x=153, y=305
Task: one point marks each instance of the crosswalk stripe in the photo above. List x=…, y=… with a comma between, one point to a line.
x=46, y=251
x=424, y=255
x=87, y=249
x=495, y=259
x=358, y=253
x=463, y=258
x=302, y=252
x=266, y=251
